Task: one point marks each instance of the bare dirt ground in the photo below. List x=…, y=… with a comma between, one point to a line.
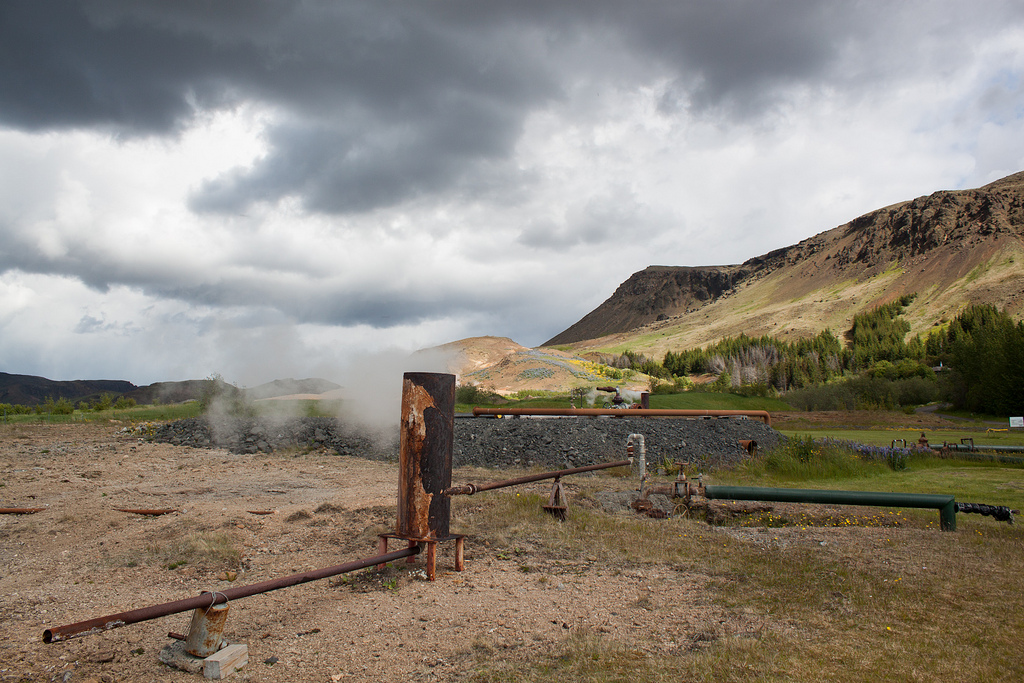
x=81, y=558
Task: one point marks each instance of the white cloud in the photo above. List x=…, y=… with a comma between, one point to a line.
x=265, y=203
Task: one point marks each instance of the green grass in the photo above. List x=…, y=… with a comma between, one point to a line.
x=872, y=604
x=695, y=400
x=885, y=437
x=968, y=482
x=145, y=413
x=179, y=411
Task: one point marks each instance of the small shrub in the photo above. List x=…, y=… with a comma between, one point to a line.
x=470, y=394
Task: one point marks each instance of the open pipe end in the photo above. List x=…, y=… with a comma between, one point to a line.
x=47, y=636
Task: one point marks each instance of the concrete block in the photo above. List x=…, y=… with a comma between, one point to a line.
x=174, y=655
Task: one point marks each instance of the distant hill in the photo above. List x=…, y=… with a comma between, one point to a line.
x=290, y=387
x=950, y=248
x=502, y=365
x=29, y=390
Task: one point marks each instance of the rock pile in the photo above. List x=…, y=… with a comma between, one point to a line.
x=551, y=443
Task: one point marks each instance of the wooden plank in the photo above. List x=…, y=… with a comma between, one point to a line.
x=226, y=662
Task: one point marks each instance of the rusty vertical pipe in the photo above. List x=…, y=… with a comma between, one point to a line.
x=425, y=459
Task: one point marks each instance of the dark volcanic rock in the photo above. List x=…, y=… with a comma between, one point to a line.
x=550, y=443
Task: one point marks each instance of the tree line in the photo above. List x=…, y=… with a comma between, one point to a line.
x=980, y=355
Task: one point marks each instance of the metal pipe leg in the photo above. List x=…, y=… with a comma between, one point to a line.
x=431, y=560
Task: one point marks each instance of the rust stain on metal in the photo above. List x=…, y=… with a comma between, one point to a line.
x=206, y=631
x=414, y=505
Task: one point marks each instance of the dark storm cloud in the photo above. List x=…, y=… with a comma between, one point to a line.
x=377, y=103
x=381, y=102
x=361, y=162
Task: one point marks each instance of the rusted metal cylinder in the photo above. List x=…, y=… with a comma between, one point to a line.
x=425, y=459
x=762, y=415
x=206, y=631
x=58, y=633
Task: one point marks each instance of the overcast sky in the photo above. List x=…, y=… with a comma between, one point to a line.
x=277, y=189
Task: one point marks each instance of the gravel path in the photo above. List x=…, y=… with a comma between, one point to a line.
x=496, y=443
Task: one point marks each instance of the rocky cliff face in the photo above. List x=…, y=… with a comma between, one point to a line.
x=655, y=293
x=937, y=246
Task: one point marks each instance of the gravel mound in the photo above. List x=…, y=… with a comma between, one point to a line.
x=551, y=443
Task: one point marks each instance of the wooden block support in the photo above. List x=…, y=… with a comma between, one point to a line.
x=226, y=662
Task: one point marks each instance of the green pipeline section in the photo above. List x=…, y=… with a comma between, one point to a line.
x=945, y=504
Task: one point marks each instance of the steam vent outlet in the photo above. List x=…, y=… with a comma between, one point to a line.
x=425, y=459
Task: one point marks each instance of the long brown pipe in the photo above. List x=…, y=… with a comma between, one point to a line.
x=205, y=600
x=624, y=412
x=470, y=489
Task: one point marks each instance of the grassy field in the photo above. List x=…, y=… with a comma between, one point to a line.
x=865, y=595
x=144, y=413
x=885, y=437
x=180, y=411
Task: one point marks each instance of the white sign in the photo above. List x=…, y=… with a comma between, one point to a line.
x=1017, y=422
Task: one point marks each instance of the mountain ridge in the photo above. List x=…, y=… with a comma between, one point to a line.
x=31, y=390
x=951, y=248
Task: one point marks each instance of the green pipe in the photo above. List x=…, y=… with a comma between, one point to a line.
x=944, y=503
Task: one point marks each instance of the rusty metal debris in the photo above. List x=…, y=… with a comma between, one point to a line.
x=646, y=508
x=154, y=513
x=20, y=511
x=556, y=502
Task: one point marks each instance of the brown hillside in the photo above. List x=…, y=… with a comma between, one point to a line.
x=951, y=248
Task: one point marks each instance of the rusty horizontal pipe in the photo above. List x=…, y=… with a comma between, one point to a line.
x=470, y=489
x=20, y=511
x=624, y=412
x=205, y=600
